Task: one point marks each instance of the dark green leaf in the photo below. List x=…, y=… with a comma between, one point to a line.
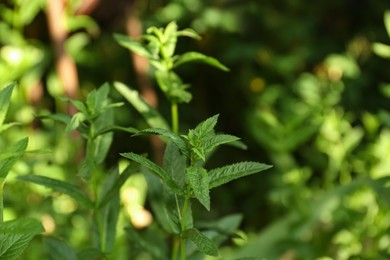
x=155, y=168
x=15, y=236
x=176, y=139
x=59, y=250
x=199, y=182
x=113, y=187
x=109, y=213
x=201, y=241
x=225, y=174
x=199, y=57
x=59, y=186
x=149, y=241
x=174, y=164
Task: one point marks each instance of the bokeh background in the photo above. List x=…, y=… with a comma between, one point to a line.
x=308, y=92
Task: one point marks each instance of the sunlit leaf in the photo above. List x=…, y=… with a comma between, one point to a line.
x=5, y=98
x=225, y=174
x=59, y=186
x=132, y=45
x=188, y=32
x=382, y=50
x=170, y=39
x=387, y=21
x=199, y=57
x=11, y=155
x=152, y=117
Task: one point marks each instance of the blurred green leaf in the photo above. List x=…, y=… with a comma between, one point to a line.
x=11, y=155
x=59, y=250
x=132, y=45
x=387, y=21
x=149, y=241
x=152, y=117
x=5, y=99
x=381, y=49
x=199, y=57
x=59, y=186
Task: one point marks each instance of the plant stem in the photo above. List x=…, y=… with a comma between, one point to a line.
x=183, y=226
x=175, y=117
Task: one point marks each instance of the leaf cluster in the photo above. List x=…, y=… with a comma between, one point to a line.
x=184, y=175
x=158, y=45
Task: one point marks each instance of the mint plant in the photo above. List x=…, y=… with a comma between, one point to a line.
x=183, y=176
x=94, y=122
x=15, y=235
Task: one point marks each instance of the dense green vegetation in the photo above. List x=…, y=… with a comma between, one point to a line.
x=306, y=87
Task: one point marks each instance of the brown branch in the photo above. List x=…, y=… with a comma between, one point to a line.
x=65, y=66
x=141, y=67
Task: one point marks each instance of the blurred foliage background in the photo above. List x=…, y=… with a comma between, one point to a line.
x=308, y=91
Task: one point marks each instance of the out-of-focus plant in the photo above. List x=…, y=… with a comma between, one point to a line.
x=382, y=49
x=15, y=235
x=94, y=122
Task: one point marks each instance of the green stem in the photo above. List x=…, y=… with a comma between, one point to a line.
x=1, y=200
x=175, y=117
x=183, y=227
x=175, y=251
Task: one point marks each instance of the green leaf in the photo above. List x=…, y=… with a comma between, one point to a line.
x=225, y=174
x=205, y=128
x=113, y=187
x=381, y=49
x=15, y=236
x=97, y=100
x=152, y=117
x=60, y=186
x=5, y=98
x=59, y=250
x=109, y=213
x=77, y=118
x=11, y=155
x=212, y=142
x=188, y=32
x=163, y=203
x=176, y=139
x=199, y=182
x=149, y=241
x=174, y=163
x=170, y=39
x=201, y=241
x=189, y=57
x=387, y=21
x=155, y=168
x=132, y=45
